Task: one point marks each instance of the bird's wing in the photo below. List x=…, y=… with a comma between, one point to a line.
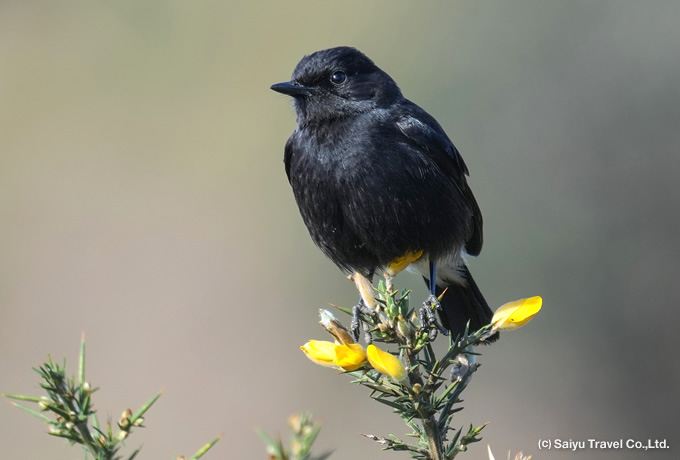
x=287, y=154
x=428, y=137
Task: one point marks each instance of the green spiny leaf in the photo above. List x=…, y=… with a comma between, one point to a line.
x=145, y=407
x=32, y=412
x=34, y=399
x=206, y=448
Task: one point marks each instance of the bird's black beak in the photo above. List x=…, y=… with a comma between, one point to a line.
x=292, y=89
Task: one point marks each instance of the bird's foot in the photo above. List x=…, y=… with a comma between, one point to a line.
x=428, y=317
x=357, y=323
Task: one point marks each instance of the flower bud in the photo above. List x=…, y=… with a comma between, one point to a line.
x=320, y=352
x=516, y=314
x=124, y=421
x=350, y=357
x=365, y=289
x=334, y=327
x=404, y=328
x=295, y=422
x=386, y=363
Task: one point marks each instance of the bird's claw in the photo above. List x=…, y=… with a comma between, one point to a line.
x=428, y=318
x=357, y=323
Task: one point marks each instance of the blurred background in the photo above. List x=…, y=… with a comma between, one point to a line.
x=143, y=200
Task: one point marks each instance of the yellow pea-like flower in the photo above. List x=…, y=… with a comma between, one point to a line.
x=320, y=352
x=385, y=363
x=516, y=313
x=350, y=357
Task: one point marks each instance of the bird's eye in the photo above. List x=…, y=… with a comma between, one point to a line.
x=338, y=78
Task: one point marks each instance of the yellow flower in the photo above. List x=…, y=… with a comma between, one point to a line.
x=350, y=357
x=516, y=314
x=385, y=363
x=320, y=352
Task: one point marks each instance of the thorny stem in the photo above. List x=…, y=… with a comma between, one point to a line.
x=73, y=406
x=433, y=438
x=429, y=422
x=418, y=400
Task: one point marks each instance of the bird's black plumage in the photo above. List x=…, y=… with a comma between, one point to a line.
x=375, y=177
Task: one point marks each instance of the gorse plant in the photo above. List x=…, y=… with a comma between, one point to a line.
x=69, y=413
x=303, y=433
x=422, y=388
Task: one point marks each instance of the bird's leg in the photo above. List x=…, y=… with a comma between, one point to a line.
x=367, y=306
x=433, y=277
x=428, y=318
x=358, y=324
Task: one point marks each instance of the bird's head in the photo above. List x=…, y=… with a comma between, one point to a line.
x=337, y=83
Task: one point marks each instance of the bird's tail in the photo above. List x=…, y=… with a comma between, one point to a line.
x=463, y=302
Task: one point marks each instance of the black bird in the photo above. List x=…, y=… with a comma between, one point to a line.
x=379, y=184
